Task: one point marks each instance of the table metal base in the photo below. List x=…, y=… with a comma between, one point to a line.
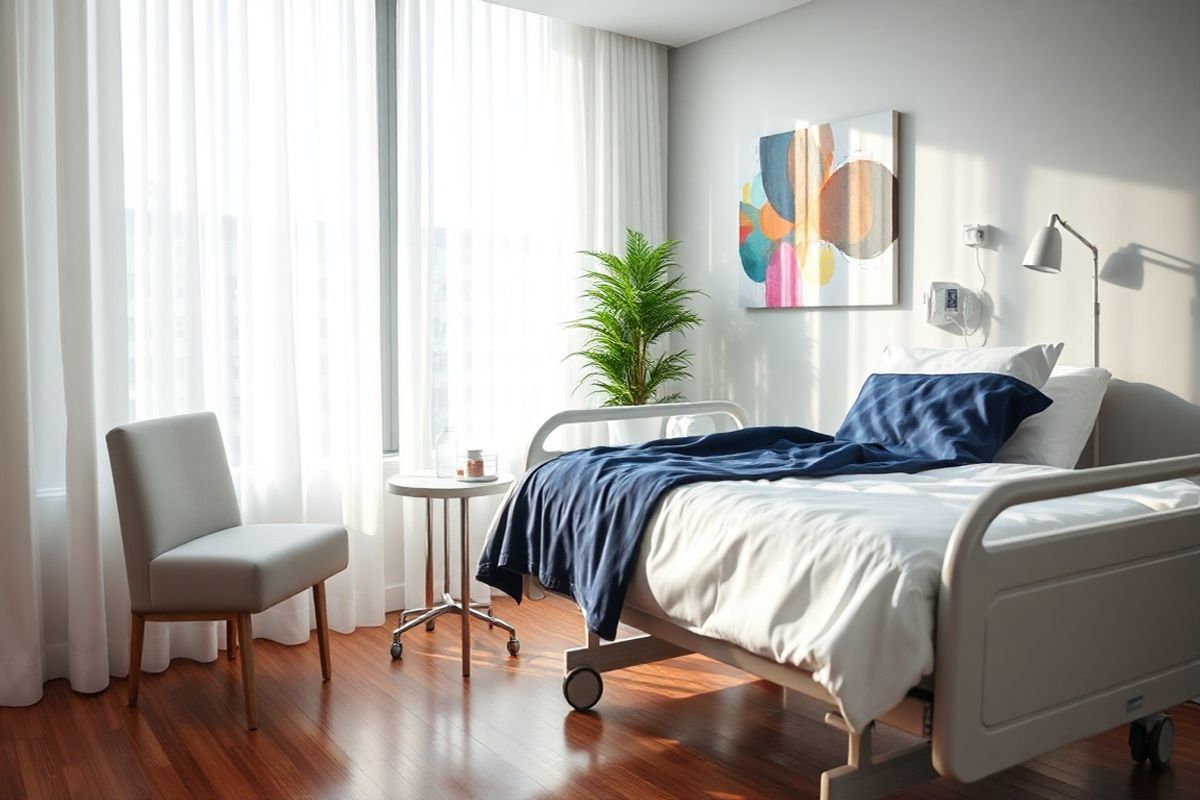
x=425, y=616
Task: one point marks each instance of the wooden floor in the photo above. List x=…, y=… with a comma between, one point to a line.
x=687, y=728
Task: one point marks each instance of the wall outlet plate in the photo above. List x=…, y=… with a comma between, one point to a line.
x=974, y=234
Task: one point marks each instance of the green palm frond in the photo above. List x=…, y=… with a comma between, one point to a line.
x=633, y=303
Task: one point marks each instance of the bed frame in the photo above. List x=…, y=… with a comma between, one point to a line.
x=1041, y=641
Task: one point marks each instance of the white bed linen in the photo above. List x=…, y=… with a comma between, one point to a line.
x=839, y=575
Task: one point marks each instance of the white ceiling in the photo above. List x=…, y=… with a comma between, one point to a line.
x=669, y=22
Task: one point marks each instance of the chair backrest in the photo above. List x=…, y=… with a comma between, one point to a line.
x=173, y=485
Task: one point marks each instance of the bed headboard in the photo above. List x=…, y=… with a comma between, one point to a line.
x=1140, y=422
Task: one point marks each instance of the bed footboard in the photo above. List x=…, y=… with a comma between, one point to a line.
x=537, y=452
x=1043, y=641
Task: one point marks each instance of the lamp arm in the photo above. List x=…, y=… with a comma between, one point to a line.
x=1056, y=218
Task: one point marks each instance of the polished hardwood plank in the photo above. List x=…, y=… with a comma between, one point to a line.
x=687, y=728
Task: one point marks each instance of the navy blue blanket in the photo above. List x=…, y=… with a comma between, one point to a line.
x=576, y=522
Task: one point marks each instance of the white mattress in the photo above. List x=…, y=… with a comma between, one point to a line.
x=839, y=575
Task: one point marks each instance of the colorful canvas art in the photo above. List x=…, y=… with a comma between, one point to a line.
x=818, y=215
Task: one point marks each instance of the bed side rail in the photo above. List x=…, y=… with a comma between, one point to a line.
x=537, y=452
x=1046, y=640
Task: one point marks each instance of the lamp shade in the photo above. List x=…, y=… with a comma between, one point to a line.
x=1045, y=251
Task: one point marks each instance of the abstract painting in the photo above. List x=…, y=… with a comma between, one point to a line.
x=817, y=220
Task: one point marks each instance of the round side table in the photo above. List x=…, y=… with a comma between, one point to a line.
x=446, y=489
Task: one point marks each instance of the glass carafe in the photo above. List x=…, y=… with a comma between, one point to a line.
x=444, y=453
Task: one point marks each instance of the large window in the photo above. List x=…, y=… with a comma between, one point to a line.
x=520, y=141
x=251, y=166
x=458, y=151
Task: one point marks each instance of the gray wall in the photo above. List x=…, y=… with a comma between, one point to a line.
x=1009, y=111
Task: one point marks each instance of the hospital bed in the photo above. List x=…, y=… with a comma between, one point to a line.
x=1042, y=638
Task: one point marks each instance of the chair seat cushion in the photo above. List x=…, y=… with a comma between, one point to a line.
x=247, y=567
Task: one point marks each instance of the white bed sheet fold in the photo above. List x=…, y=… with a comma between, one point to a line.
x=839, y=575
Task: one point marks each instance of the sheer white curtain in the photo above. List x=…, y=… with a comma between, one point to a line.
x=522, y=140
x=188, y=219
x=61, y=234
x=251, y=191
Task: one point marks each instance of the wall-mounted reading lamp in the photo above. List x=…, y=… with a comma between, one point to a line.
x=1045, y=255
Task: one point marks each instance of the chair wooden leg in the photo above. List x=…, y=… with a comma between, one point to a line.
x=322, y=628
x=231, y=638
x=246, y=635
x=135, y=657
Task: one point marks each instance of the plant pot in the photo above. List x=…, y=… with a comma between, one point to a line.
x=634, y=431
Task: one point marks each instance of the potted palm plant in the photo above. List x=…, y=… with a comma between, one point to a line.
x=634, y=303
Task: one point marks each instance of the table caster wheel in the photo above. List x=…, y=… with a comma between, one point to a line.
x=429, y=626
x=397, y=650
x=514, y=646
x=1160, y=744
x=582, y=688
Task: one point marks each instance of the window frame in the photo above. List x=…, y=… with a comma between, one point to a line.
x=385, y=62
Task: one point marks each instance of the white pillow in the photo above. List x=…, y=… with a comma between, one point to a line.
x=1030, y=364
x=1056, y=437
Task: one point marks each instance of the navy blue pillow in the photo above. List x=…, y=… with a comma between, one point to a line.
x=964, y=417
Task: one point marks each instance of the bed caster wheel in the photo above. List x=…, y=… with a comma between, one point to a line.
x=1152, y=739
x=582, y=688
x=1139, y=742
x=397, y=650
x=514, y=646
x=1161, y=742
